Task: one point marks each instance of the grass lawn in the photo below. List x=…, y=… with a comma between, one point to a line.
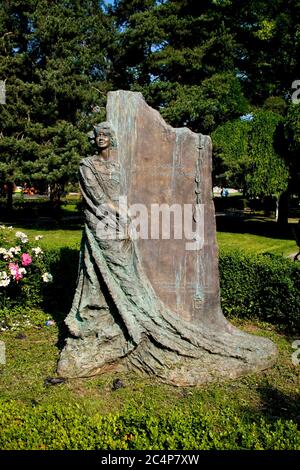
x=32, y=353
x=251, y=243
x=255, y=235
x=30, y=360
x=53, y=238
x=251, y=234
x=247, y=242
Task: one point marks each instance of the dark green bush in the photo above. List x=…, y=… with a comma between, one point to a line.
x=237, y=202
x=252, y=286
x=230, y=202
x=42, y=207
x=263, y=286
x=60, y=427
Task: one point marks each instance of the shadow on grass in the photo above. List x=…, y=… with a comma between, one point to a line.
x=41, y=215
x=254, y=226
x=58, y=296
x=49, y=223
x=276, y=404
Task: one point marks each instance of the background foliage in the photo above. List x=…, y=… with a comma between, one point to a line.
x=201, y=64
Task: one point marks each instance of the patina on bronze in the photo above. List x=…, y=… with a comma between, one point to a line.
x=151, y=306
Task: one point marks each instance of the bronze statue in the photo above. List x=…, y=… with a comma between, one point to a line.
x=118, y=321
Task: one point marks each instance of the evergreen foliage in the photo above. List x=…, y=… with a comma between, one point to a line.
x=53, y=59
x=201, y=64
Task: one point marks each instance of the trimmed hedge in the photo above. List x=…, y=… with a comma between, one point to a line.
x=262, y=286
x=27, y=208
x=266, y=287
x=57, y=427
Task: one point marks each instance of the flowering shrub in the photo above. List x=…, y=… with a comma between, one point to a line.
x=22, y=267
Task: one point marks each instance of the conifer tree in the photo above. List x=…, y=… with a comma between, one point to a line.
x=54, y=61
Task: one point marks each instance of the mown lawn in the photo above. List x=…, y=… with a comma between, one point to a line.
x=250, y=243
x=53, y=237
x=247, y=242
x=32, y=353
x=256, y=235
x=32, y=357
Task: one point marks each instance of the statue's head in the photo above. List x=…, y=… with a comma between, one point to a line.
x=103, y=135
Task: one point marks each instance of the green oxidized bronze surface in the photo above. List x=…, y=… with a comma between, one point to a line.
x=149, y=305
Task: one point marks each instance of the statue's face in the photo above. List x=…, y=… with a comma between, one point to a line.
x=103, y=140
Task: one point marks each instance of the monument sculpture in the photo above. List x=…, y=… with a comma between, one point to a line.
x=151, y=303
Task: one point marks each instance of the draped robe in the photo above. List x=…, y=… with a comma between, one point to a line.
x=118, y=322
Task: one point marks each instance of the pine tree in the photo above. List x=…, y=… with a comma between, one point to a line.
x=181, y=55
x=54, y=60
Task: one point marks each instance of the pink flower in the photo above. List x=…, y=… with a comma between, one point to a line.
x=18, y=276
x=26, y=259
x=14, y=271
x=13, y=268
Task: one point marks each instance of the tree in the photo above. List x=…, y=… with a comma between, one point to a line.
x=201, y=64
x=292, y=134
x=251, y=151
x=169, y=49
x=267, y=35
x=181, y=56
x=53, y=57
x=231, y=158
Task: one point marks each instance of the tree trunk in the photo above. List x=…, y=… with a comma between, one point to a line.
x=9, y=196
x=56, y=191
x=282, y=208
x=277, y=209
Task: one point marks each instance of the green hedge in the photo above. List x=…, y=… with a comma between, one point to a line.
x=27, y=208
x=266, y=287
x=24, y=209
x=60, y=427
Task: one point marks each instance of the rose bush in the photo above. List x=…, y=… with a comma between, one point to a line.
x=22, y=267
